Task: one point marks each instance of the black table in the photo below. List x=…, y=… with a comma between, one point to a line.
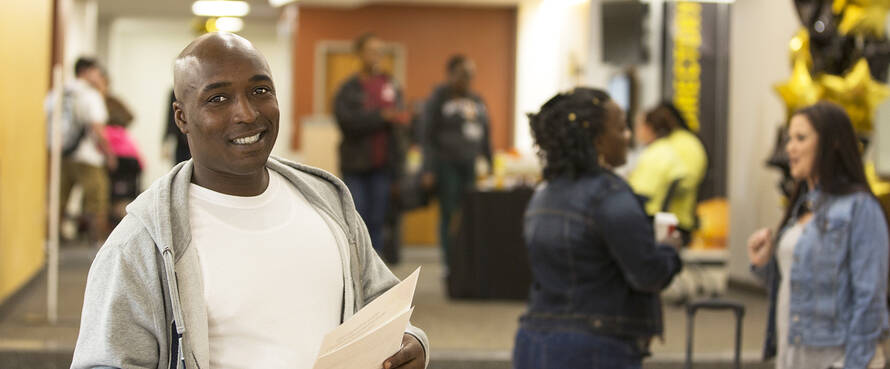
x=488, y=258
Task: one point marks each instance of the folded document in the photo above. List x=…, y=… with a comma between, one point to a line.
x=373, y=334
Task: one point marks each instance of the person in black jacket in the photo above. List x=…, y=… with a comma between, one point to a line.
x=368, y=108
x=455, y=134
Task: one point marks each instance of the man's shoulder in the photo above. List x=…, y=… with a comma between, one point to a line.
x=352, y=82
x=317, y=179
x=129, y=243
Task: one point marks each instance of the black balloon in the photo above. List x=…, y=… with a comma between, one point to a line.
x=817, y=16
x=833, y=54
x=877, y=53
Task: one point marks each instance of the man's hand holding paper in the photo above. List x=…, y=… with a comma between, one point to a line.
x=375, y=336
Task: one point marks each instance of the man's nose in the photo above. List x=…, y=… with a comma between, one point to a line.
x=244, y=111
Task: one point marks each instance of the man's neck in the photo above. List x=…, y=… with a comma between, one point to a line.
x=458, y=92
x=252, y=184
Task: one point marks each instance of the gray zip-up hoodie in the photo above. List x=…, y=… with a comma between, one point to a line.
x=145, y=295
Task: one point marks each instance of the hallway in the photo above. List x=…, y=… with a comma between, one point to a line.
x=464, y=334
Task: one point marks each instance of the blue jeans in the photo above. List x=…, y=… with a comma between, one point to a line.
x=370, y=192
x=569, y=349
x=453, y=181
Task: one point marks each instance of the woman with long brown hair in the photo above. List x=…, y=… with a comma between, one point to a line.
x=827, y=267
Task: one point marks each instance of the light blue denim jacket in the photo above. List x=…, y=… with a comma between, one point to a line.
x=838, y=277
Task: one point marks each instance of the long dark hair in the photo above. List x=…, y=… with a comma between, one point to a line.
x=564, y=131
x=838, y=163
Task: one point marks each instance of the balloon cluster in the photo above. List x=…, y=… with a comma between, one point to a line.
x=841, y=54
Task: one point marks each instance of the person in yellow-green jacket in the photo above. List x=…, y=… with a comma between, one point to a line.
x=671, y=167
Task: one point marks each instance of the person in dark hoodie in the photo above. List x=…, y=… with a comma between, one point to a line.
x=455, y=134
x=368, y=107
x=234, y=259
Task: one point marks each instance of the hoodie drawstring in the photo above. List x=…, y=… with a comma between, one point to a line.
x=173, y=288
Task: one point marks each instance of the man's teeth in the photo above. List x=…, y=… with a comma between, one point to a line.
x=247, y=140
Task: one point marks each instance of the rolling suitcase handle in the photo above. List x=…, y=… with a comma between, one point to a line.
x=714, y=304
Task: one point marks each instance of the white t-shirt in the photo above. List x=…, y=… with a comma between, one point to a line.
x=89, y=109
x=273, y=278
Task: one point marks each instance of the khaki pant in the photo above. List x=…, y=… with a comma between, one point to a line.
x=94, y=182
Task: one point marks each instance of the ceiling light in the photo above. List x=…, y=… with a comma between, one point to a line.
x=696, y=1
x=220, y=8
x=277, y=3
x=229, y=24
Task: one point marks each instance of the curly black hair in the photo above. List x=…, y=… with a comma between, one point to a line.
x=564, y=130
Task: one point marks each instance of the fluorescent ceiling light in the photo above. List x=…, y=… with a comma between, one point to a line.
x=277, y=3
x=697, y=1
x=229, y=24
x=220, y=8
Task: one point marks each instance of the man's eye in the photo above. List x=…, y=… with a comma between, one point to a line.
x=260, y=90
x=217, y=99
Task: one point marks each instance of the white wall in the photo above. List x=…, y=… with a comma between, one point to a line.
x=550, y=34
x=759, y=35
x=80, y=32
x=140, y=63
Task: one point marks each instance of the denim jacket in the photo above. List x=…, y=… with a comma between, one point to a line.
x=594, y=260
x=838, y=277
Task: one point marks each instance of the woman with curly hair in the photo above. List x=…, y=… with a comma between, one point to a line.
x=597, y=270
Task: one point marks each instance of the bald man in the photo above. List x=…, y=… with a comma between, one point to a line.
x=234, y=259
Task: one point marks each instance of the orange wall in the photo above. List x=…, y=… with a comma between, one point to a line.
x=430, y=35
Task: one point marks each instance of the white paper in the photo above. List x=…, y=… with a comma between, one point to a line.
x=373, y=334
x=369, y=351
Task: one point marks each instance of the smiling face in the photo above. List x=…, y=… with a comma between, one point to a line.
x=226, y=106
x=803, y=144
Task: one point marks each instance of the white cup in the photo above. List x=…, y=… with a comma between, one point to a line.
x=665, y=225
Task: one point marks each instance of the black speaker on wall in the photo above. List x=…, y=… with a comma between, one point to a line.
x=624, y=32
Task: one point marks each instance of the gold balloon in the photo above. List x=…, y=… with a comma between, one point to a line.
x=858, y=93
x=864, y=17
x=838, y=6
x=884, y=3
x=799, y=47
x=799, y=90
x=879, y=187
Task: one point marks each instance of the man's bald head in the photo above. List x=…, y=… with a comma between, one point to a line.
x=227, y=108
x=209, y=48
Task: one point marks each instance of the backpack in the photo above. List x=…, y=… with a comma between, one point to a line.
x=73, y=130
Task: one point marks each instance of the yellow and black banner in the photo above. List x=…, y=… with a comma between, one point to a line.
x=696, y=74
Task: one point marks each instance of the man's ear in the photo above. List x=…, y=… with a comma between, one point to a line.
x=179, y=117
